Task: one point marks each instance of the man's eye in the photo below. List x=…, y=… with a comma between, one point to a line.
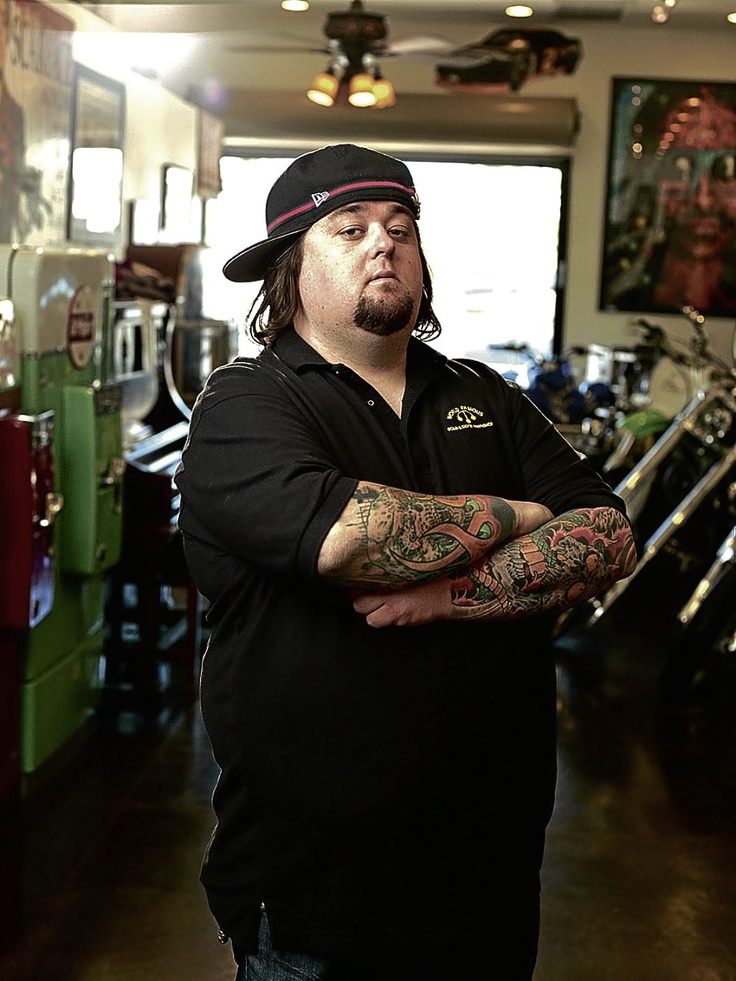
x=399, y=232
x=677, y=169
x=724, y=168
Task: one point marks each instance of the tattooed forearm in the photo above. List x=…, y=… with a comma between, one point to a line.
x=404, y=531
x=568, y=560
x=388, y=536
x=411, y=537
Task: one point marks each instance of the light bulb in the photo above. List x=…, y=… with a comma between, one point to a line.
x=384, y=92
x=323, y=89
x=361, y=91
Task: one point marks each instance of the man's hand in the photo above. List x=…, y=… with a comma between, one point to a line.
x=407, y=607
x=529, y=516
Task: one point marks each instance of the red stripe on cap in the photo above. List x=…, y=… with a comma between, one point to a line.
x=338, y=190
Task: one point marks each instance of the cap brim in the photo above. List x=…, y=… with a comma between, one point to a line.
x=252, y=263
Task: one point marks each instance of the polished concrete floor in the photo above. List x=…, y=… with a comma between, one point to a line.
x=99, y=863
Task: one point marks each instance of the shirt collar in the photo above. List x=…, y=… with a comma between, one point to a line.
x=293, y=350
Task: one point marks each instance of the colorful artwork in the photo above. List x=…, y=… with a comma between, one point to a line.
x=35, y=103
x=670, y=233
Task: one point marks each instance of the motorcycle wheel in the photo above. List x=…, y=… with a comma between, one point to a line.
x=701, y=663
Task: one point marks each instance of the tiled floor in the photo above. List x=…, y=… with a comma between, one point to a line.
x=98, y=866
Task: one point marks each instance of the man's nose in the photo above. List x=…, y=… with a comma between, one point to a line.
x=704, y=195
x=379, y=238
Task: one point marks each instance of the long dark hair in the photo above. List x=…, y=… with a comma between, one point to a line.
x=276, y=303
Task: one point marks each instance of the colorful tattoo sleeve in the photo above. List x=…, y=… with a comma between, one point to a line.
x=569, y=559
x=406, y=537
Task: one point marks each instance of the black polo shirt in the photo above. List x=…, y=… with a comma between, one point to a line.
x=384, y=788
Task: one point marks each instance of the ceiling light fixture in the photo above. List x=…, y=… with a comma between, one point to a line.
x=353, y=77
x=324, y=88
x=731, y=18
x=660, y=13
x=297, y=5
x=383, y=90
x=361, y=92
x=519, y=10
x=345, y=83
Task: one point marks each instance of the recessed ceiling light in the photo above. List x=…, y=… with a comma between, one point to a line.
x=731, y=17
x=294, y=5
x=519, y=10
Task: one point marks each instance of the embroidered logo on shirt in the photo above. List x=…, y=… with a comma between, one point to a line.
x=320, y=197
x=466, y=417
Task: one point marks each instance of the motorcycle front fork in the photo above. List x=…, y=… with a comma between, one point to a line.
x=725, y=559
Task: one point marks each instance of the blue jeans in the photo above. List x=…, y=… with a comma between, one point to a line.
x=458, y=964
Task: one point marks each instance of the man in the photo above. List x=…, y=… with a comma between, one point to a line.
x=385, y=537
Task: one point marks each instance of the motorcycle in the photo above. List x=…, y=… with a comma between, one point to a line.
x=703, y=648
x=693, y=465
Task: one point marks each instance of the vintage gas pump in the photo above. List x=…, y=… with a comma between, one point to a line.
x=9, y=648
x=63, y=302
x=28, y=507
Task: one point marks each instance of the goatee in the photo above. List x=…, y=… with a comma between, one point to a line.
x=389, y=315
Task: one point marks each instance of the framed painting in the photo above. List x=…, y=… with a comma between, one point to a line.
x=95, y=212
x=670, y=223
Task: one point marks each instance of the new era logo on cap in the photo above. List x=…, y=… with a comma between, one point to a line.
x=320, y=197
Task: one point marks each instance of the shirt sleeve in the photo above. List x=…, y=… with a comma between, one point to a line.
x=256, y=480
x=553, y=471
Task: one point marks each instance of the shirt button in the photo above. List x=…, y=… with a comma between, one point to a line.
x=371, y=402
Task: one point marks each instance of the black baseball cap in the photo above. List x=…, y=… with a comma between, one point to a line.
x=315, y=184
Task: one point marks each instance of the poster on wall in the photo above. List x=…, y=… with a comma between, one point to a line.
x=35, y=102
x=670, y=228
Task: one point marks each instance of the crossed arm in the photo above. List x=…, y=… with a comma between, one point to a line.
x=409, y=558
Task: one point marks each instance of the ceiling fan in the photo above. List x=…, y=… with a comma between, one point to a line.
x=358, y=30
x=354, y=40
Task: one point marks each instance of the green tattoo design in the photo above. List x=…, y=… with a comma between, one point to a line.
x=411, y=537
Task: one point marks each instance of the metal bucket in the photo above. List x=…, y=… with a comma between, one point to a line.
x=194, y=349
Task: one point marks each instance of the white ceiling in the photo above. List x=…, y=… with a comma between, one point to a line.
x=245, y=45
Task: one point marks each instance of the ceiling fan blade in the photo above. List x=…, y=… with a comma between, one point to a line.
x=464, y=58
x=274, y=49
x=418, y=46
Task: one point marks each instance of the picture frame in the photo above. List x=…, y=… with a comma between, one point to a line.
x=670, y=221
x=36, y=71
x=95, y=198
